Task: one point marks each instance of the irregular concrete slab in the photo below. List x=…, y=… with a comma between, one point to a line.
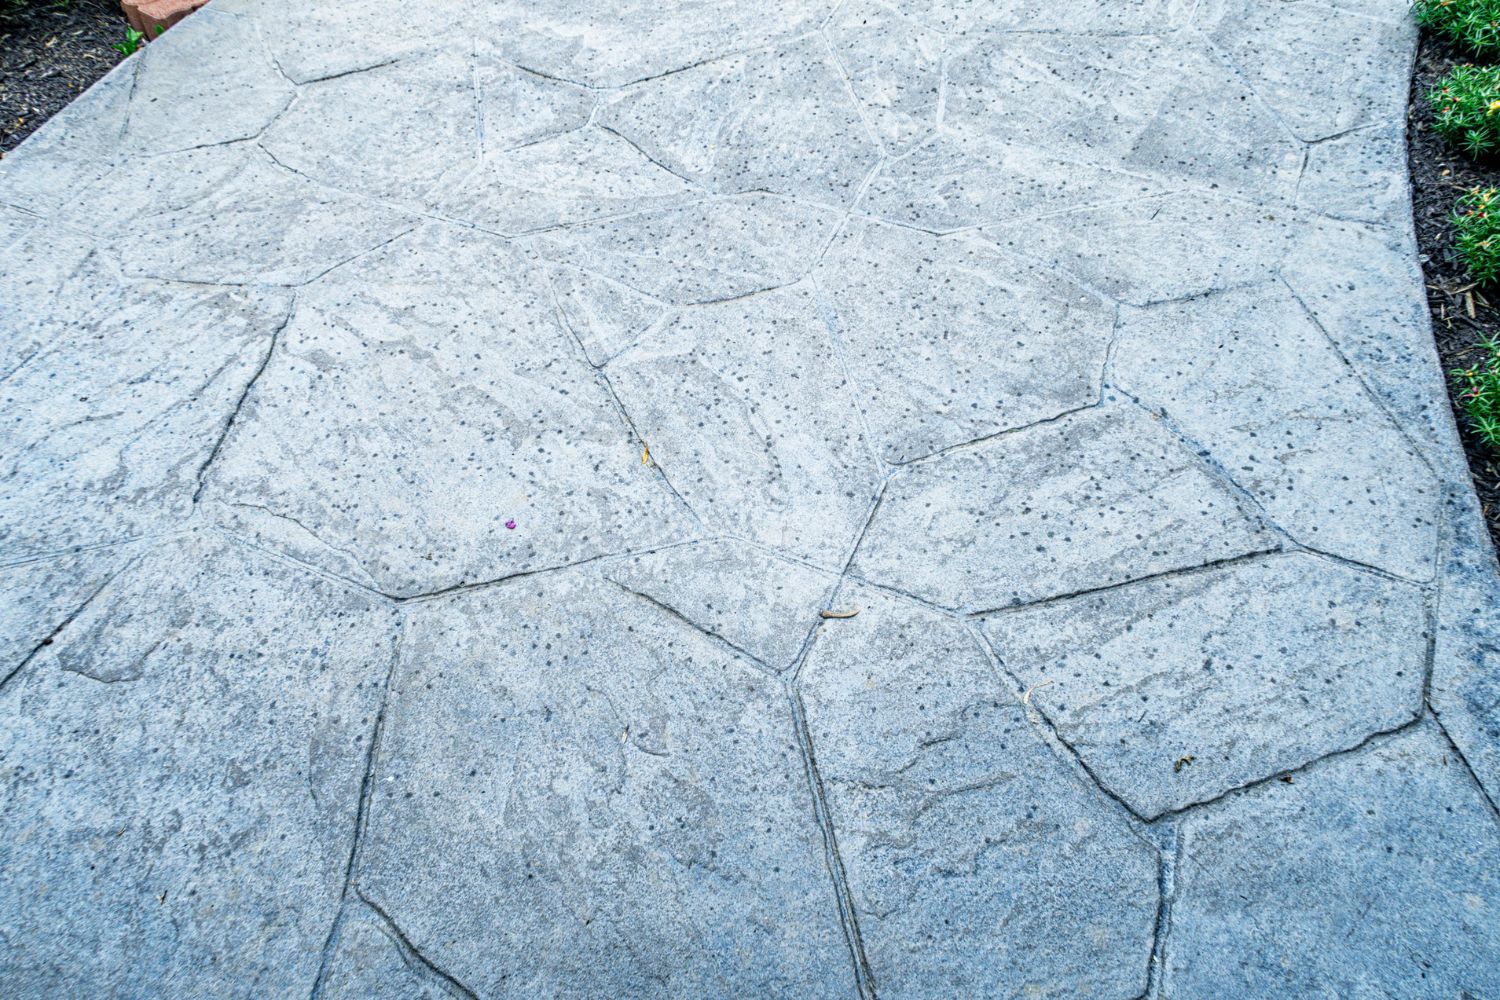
x=605, y=316
x=370, y=962
x=41, y=597
x=1158, y=105
x=895, y=68
x=1360, y=175
x=640, y=40
x=1466, y=657
x=154, y=373
x=1286, y=52
x=708, y=251
x=1176, y=690
x=575, y=177
x=1158, y=249
x=1061, y=16
x=182, y=773
x=964, y=839
x=311, y=42
x=1328, y=465
x=389, y=132
x=757, y=603
x=515, y=460
x=234, y=92
x=580, y=795
x=1375, y=874
x=714, y=229
x=950, y=340
x=748, y=412
x=778, y=120
x=228, y=215
x=958, y=180
x=1093, y=499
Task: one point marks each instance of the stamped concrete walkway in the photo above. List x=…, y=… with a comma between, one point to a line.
x=428, y=447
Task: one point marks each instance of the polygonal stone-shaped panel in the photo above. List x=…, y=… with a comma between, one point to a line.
x=387, y=132
x=963, y=838
x=1287, y=52
x=755, y=602
x=1123, y=17
x=230, y=215
x=1156, y=249
x=1161, y=105
x=1093, y=499
x=1175, y=690
x=750, y=415
x=640, y=39
x=778, y=120
x=153, y=372
x=420, y=401
x=575, y=177
x=1376, y=874
x=720, y=248
x=1360, y=175
x=234, y=91
x=580, y=795
x=181, y=778
x=895, y=67
x=1249, y=376
x=957, y=180
x=950, y=340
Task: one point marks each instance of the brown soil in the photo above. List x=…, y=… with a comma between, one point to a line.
x=50, y=52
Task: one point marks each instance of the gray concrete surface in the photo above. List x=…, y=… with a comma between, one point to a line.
x=431, y=434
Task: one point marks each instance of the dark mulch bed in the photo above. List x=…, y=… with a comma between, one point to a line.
x=1439, y=174
x=50, y=52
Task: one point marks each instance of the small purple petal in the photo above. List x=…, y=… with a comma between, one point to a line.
x=511, y=525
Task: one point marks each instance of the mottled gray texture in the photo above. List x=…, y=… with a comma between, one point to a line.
x=1249, y=668
x=431, y=440
x=920, y=319
x=630, y=795
x=329, y=459
x=1092, y=499
x=754, y=602
x=181, y=771
x=966, y=842
x=1371, y=875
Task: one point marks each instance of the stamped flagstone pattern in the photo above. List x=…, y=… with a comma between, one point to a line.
x=807, y=498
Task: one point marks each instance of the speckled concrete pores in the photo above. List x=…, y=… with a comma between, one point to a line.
x=427, y=455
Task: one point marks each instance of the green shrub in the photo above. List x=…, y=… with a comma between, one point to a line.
x=1479, y=392
x=1467, y=105
x=1473, y=24
x=1476, y=226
